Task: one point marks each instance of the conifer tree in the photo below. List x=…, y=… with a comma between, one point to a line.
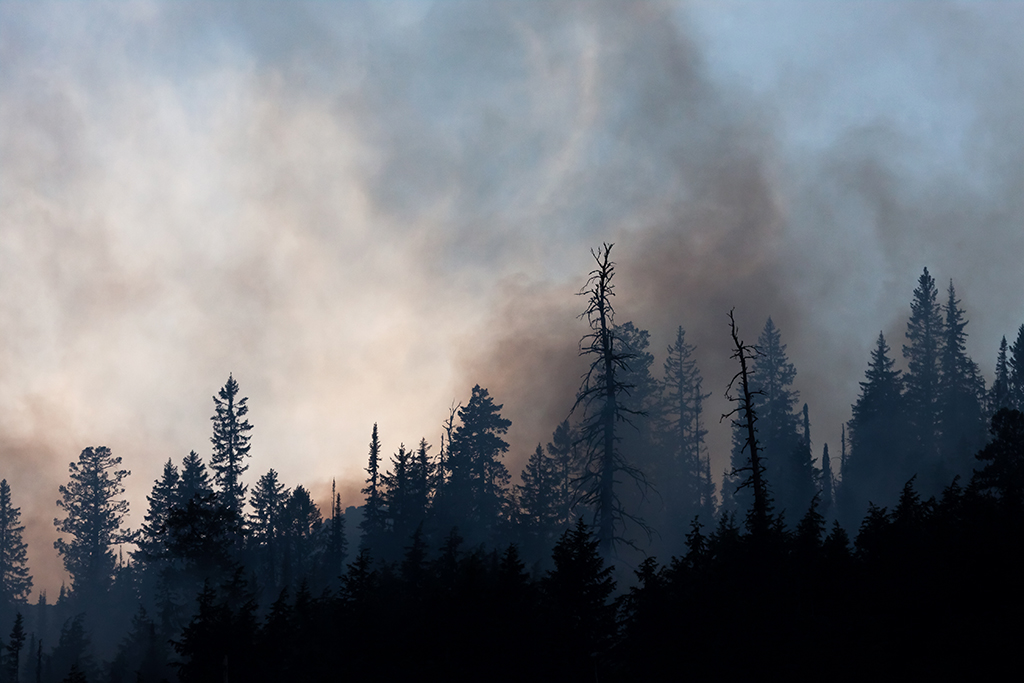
x=1016, y=371
x=479, y=479
x=961, y=394
x=877, y=462
x=337, y=544
x=924, y=332
x=999, y=394
x=682, y=407
x=93, y=516
x=302, y=550
x=14, y=647
x=398, y=494
x=15, y=580
x=374, y=513
x=421, y=474
x=266, y=524
x=601, y=396
x=195, y=480
x=161, y=500
x=230, y=445
x=536, y=498
x=562, y=449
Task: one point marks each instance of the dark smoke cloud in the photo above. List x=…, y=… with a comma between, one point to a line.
x=363, y=209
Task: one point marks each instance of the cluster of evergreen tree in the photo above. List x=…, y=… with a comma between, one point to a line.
x=224, y=582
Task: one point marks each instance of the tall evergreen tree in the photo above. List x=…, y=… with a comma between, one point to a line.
x=337, y=544
x=961, y=398
x=15, y=580
x=374, y=511
x=924, y=332
x=14, y=647
x=230, y=445
x=536, y=498
x=562, y=449
x=302, y=549
x=195, y=479
x=93, y=516
x=999, y=394
x=479, y=479
x=161, y=500
x=684, y=487
x=1016, y=371
x=877, y=463
x=266, y=525
x=398, y=495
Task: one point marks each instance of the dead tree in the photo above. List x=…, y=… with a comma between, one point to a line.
x=745, y=417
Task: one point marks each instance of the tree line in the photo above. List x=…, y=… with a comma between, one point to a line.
x=223, y=581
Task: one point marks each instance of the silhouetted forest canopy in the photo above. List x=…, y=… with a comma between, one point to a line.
x=611, y=556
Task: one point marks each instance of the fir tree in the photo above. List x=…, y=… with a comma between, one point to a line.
x=14, y=647
x=337, y=544
x=999, y=394
x=562, y=449
x=230, y=445
x=1015, y=383
x=877, y=463
x=266, y=525
x=398, y=494
x=961, y=397
x=374, y=512
x=15, y=580
x=479, y=480
x=924, y=332
x=302, y=521
x=161, y=499
x=538, y=513
x=93, y=516
x=195, y=480
x=682, y=408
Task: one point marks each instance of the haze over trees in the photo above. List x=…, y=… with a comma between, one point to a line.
x=547, y=571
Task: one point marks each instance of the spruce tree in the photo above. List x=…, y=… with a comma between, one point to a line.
x=877, y=463
x=479, y=479
x=1016, y=371
x=961, y=398
x=537, y=503
x=162, y=498
x=195, y=480
x=15, y=580
x=266, y=525
x=374, y=512
x=563, y=451
x=999, y=394
x=230, y=445
x=924, y=332
x=93, y=516
x=398, y=495
x=681, y=411
x=14, y=647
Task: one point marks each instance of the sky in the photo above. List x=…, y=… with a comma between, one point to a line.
x=362, y=209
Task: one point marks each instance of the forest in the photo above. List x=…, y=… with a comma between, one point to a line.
x=612, y=556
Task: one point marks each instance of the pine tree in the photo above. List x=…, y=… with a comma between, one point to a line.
x=684, y=432
x=960, y=400
x=1015, y=384
x=93, y=516
x=195, y=480
x=266, y=525
x=302, y=552
x=15, y=580
x=876, y=464
x=479, y=479
x=759, y=514
x=374, y=512
x=337, y=544
x=14, y=647
x=398, y=495
x=999, y=394
x=602, y=397
x=562, y=449
x=161, y=500
x=230, y=445
x=924, y=332
x=536, y=499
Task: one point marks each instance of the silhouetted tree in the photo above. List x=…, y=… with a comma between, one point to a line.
x=601, y=396
x=302, y=522
x=15, y=580
x=538, y=506
x=163, y=497
x=877, y=462
x=1016, y=371
x=266, y=525
x=374, y=511
x=14, y=647
x=72, y=658
x=93, y=516
x=924, y=332
x=961, y=397
x=195, y=480
x=1003, y=472
x=337, y=545
x=479, y=479
x=230, y=445
x=999, y=394
x=759, y=513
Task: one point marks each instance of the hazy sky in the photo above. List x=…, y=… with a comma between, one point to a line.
x=363, y=209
